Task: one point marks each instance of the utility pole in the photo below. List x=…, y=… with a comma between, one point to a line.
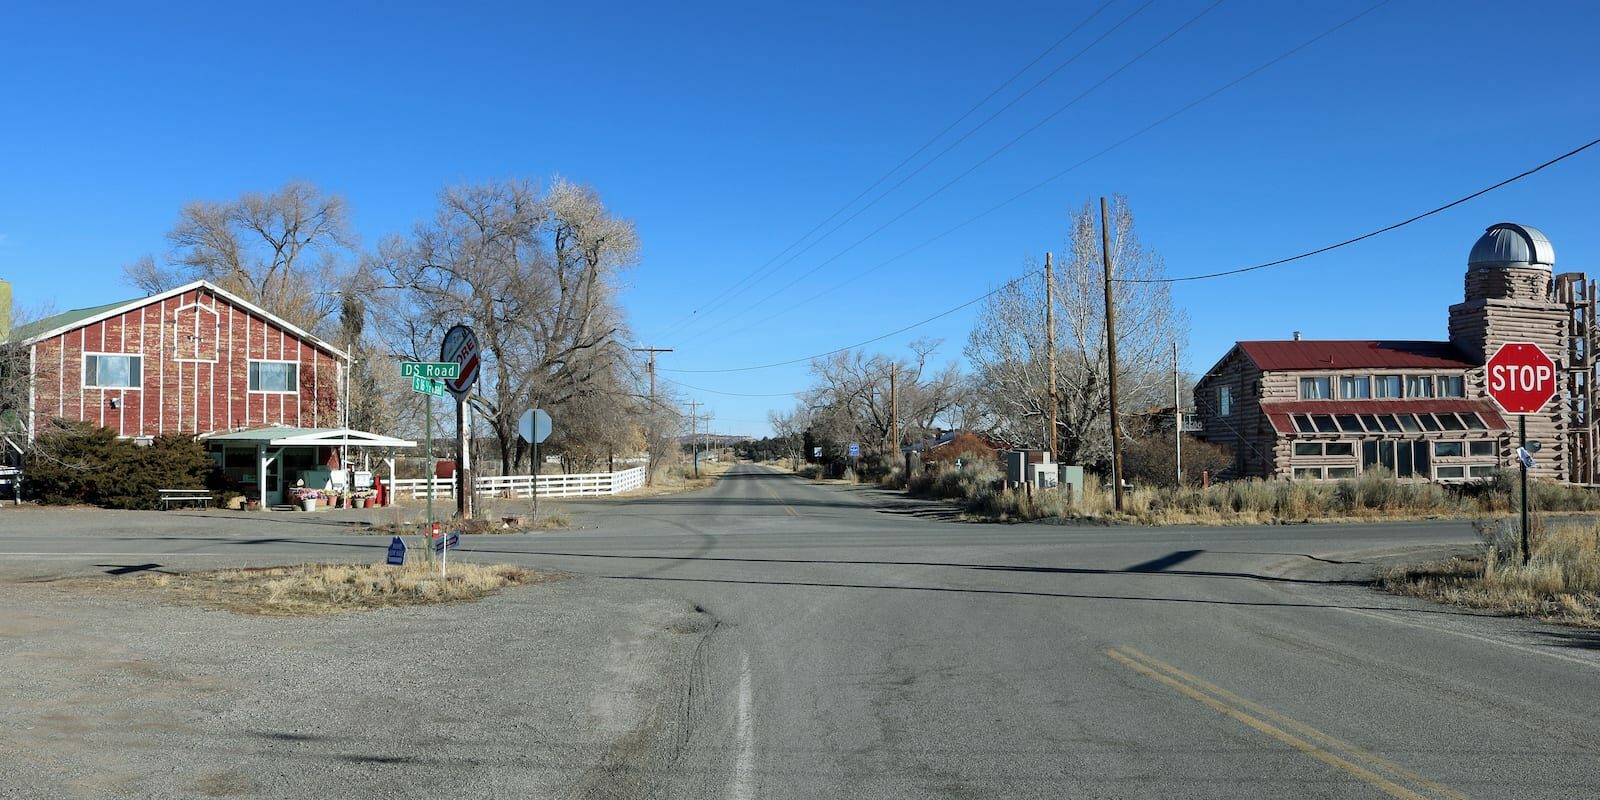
x=650, y=467
x=1177, y=418
x=1111, y=359
x=652, y=351
x=894, y=411
x=1050, y=343
x=694, y=427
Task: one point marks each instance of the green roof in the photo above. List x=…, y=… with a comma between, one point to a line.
x=32, y=329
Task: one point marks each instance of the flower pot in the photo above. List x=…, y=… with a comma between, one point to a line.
x=309, y=504
x=370, y=502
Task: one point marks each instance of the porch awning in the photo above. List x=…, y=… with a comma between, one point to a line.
x=284, y=436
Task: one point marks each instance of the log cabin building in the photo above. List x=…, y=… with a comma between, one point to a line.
x=1317, y=410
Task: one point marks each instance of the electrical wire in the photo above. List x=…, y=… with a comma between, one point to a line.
x=763, y=271
x=1113, y=146
x=874, y=339
x=1369, y=235
x=981, y=162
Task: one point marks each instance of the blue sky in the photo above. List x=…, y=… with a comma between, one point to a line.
x=727, y=131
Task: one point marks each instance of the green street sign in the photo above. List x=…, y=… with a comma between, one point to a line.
x=448, y=370
x=433, y=386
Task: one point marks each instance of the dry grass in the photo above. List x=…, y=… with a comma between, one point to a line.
x=1374, y=495
x=678, y=478
x=322, y=589
x=502, y=517
x=1561, y=582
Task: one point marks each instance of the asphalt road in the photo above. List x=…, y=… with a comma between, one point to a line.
x=864, y=649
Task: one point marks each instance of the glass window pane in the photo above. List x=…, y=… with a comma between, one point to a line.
x=1446, y=449
x=1402, y=467
x=1473, y=423
x=91, y=370
x=1302, y=423
x=1428, y=422
x=1325, y=423
x=1481, y=448
x=1371, y=421
x=1390, y=424
x=1386, y=454
x=1224, y=401
x=1419, y=386
x=1341, y=449
x=1451, y=386
x=1451, y=422
x=1421, y=450
x=1314, y=389
x=1309, y=473
x=1355, y=387
x=1308, y=448
x=1388, y=386
x=1481, y=470
x=1369, y=453
x=1408, y=423
x=1341, y=472
x=1349, y=424
x=1450, y=472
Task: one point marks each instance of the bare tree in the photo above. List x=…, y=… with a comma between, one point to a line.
x=1009, y=355
x=853, y=398
x=534, y=273
x=285, y=251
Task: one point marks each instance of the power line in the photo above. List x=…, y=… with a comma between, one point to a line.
x=1113, y=146
x=1365, y=236
x=874, y=339
x=986, y=159
x=763, y=270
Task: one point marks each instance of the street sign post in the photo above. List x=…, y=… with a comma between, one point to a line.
x=534, y=427
x=460, y=347
x=1521, y=380
x=430, y=369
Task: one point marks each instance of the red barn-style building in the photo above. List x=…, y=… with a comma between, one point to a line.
x=191, y=360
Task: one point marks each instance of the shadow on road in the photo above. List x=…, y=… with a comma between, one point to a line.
x=1063, y=595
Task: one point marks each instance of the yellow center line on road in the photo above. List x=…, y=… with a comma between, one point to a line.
x=790, y=511
x=1322, y=754
x=1300, y=727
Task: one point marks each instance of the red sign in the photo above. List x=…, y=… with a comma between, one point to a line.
x=461, y=346
x=1521, y=378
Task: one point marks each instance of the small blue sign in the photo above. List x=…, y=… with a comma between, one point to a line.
x=397, y=552
x=1525, y=457
x=855, y=450
x=451, y=540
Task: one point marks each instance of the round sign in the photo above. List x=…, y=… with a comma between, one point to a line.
x=1521, y=378
x=461, y=346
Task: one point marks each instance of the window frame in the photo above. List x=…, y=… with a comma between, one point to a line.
x=1360, y=386
x=1441, y=448
x=1323, y=382
x=253, y=374
x=1455, y=380
x=137, y=384
x=1224, y=401
x=1481, y=448
x=1380, y=382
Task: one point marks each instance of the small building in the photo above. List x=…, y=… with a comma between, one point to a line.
x=1420, y=409
x=193, y=359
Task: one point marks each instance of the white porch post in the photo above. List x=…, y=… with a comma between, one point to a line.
x=388, y=497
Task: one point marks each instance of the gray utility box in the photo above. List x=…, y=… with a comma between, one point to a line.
x=1071, y=478
x=1030, y=466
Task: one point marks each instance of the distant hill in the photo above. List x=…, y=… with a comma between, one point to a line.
x=714, y=439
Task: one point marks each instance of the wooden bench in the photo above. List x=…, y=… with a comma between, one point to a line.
x=198, y=497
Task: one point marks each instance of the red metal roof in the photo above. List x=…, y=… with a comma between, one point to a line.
x=1354, y=354
x=1278, y=413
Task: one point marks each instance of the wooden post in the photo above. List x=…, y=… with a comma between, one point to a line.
x=894, y=412
x=1050, y=343
x=1111, y=358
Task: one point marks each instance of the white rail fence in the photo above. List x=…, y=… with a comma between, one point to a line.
x=591, y=484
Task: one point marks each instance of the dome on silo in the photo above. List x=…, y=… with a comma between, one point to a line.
x=1508, y=245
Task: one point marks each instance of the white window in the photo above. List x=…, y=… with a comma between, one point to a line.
x=1419, y=386
x=1451, y=386
x=108, y=371
x=1388, y=386
x=1224, y=401
x=1314, y=389
x=274, y=376
x=1355, y=387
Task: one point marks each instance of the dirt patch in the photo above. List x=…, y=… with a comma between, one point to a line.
x=323, y=589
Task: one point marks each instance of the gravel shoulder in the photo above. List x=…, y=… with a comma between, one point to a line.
x=559, y=689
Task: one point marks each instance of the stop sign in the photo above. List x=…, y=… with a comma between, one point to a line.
x=1521, y=377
